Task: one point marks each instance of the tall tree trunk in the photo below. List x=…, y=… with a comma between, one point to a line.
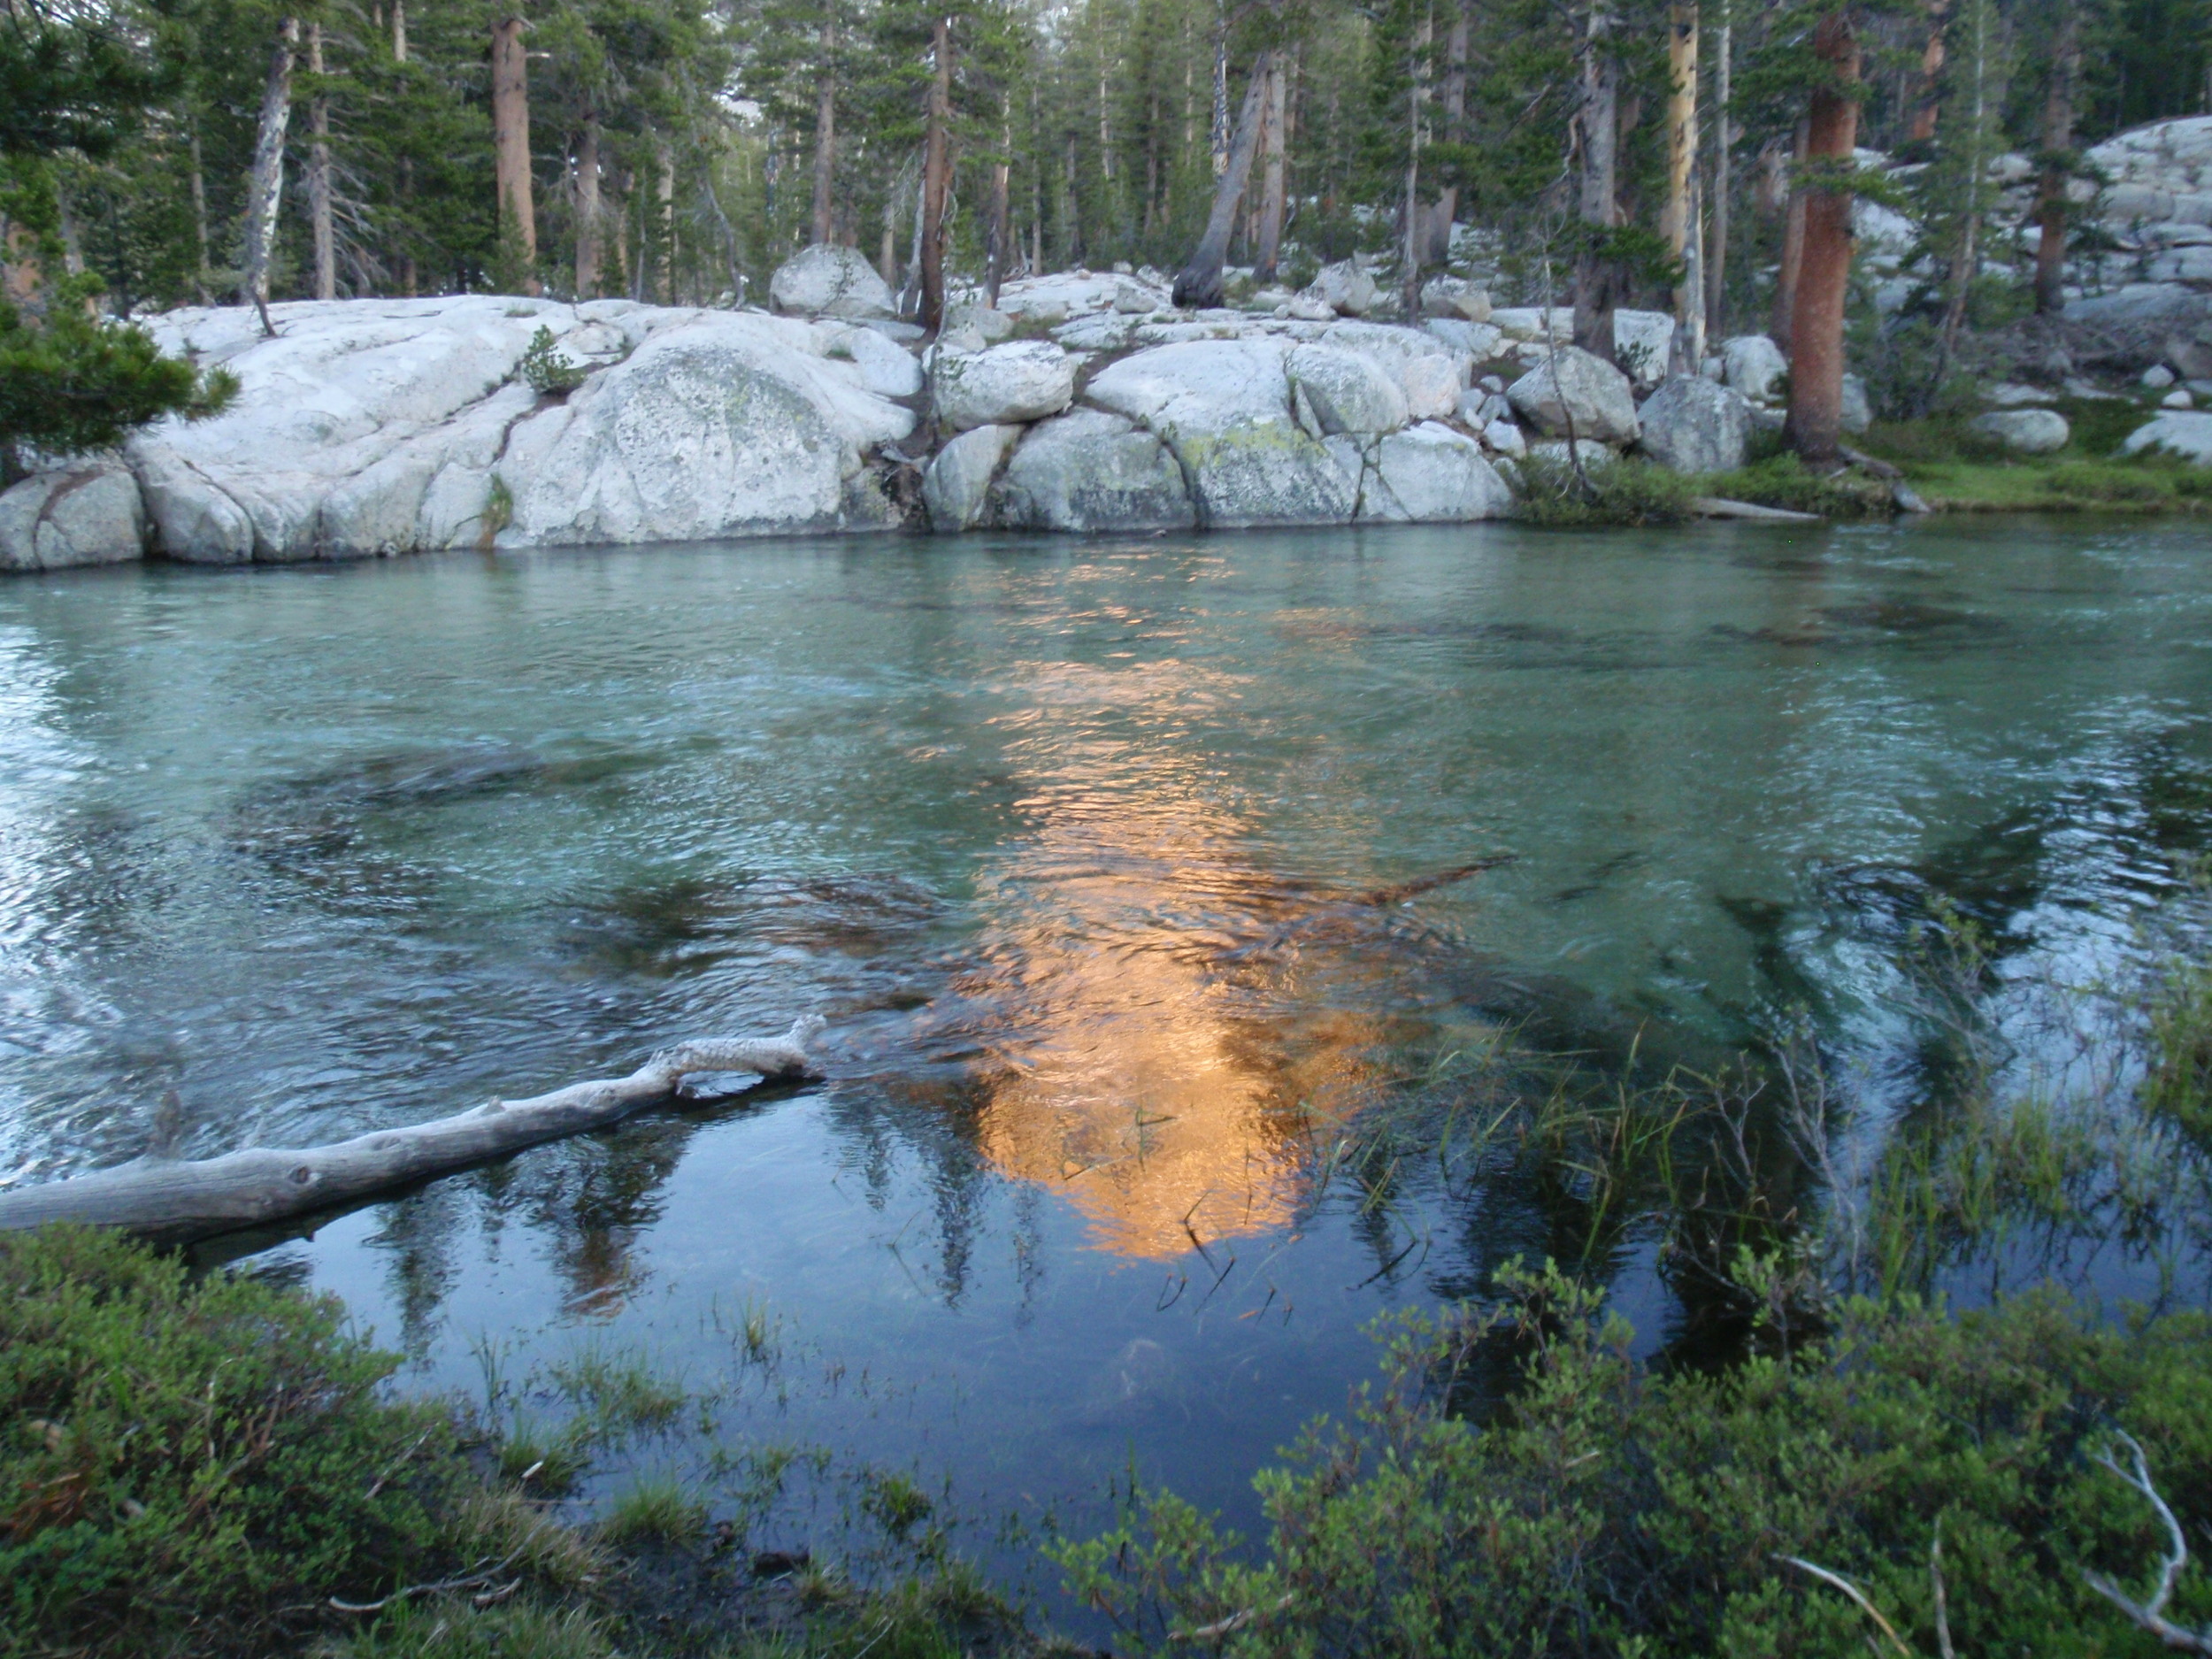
x=997, y=260
x=1784, y=325
x=1220, y=133
x=199, y=221
x=1598, y=119
x=264, y=187
x=1928, y=92
x=665, y=198
x=1679, y=224
x=406, y=163
x=510, y=145
x=621, y=182
x=1446, y=210
x=2058, y=145
x=1269, y=243
x=1815, y=418
x=1724, y=173
x=825, y=136
x=1410, y=211
x=319, y=173
x=1966, y=256
x=936, y=175
x=588, y=210
x=1198, y=284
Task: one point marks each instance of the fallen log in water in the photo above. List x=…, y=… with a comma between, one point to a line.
x=175, y=1202
x=1721, y=507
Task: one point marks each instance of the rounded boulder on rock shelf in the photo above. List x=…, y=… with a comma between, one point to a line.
x=1572, y=386
x=1223, y=407
x=825, y=279
x=86, y=514
x=2187, y=434
x=1691, y=424
x=1088, y=471
x=958, y=481
x=1455, y=297
x=2024, y=431
x=1434, y=475
x=1755, y=367
x=1025, y=379
x=1345, y=287
x=1346, y=391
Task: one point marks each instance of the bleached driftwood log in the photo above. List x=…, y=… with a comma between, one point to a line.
x=174, y=1202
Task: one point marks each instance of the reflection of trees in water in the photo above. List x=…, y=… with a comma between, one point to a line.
x=1186, y=1047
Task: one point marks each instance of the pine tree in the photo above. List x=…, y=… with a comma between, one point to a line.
x=73, y=84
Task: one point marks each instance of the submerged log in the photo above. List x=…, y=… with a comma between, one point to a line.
x=1721, y=507
x=174, y=1202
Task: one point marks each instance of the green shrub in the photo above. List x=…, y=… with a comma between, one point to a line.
x=181, y=1460
x=1604, y=1510
x=548, y=373
x=1624, y=492
x=1783, y=481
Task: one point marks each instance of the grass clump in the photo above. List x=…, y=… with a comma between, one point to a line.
x=451, y=1629
x=1628, y=492
x=1606, y=1510
x=655, y=1509
x=180, y=1460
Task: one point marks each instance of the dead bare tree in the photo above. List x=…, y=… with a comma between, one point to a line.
x=1198, y=284
x=266, y=186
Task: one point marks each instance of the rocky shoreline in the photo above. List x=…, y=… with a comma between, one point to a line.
x=369, y=429
x=1084, y=403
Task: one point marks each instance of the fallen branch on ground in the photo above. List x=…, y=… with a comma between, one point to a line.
x=175, y=1202
x=2151, y=1615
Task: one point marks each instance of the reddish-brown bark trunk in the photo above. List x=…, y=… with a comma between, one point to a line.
x=510, y=144
x=936, y=177
x=2058, y=143
x=1815, y=418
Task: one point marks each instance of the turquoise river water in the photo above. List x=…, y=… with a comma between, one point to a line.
x=1105, y=863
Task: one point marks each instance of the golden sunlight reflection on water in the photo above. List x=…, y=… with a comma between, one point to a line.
x=1145, y=1062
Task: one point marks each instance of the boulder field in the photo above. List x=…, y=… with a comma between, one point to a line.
x=367, y=428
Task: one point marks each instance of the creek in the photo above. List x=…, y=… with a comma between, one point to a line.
x=1109, y=863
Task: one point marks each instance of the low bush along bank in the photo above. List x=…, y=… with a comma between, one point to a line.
x=200, y=1469
x=213, y=1467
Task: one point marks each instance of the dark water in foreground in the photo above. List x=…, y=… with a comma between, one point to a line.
x=1086, y=851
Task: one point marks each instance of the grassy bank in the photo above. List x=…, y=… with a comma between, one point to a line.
x=1950, y=466
x=1957, y=470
